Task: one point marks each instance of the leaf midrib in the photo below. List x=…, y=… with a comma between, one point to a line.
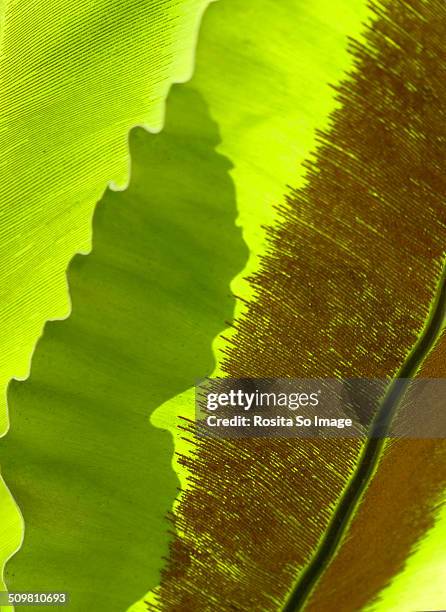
x=370, y=454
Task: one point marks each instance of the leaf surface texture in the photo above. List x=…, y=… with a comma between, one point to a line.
x=346, y=290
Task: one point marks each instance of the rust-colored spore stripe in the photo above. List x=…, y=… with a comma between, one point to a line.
x=344, y=290
x=393, y=402
x=412, y=473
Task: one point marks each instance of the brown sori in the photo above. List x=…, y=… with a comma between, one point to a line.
x=350, y=286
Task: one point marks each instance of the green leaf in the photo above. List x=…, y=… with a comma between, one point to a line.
x=238, y=85
x=352, y=285
x=90, y=474
x=74, y=79
x=265, y=70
